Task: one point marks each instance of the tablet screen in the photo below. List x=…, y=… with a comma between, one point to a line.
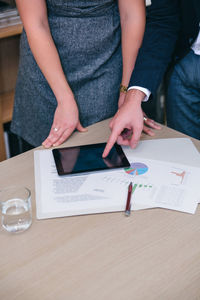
x=88, y=158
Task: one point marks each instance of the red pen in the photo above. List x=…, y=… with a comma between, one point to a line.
x=128, y=201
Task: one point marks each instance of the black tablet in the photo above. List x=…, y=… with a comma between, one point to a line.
x=88, y=158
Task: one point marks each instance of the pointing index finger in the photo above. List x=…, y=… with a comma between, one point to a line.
x=112, y=139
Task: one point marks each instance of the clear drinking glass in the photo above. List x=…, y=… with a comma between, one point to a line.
x=15, y=203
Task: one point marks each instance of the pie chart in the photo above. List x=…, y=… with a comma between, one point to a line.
x=136, y=168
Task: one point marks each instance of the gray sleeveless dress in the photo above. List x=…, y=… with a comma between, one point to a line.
x=87, y=36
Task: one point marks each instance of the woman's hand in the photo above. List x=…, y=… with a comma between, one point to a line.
x=151, y=124
x=66, y=120
x=121, y=99
x=34, y=15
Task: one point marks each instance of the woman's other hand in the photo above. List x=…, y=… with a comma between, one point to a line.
x=151, y=124
x=121, y=99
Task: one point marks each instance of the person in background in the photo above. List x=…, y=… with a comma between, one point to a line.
x=183, y=96
x=162, y=25
x=71, y=64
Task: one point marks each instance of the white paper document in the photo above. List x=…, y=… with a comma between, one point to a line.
x=58, y=196
x=177, y=150
x=155, y=184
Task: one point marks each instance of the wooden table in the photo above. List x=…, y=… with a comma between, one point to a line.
x=154, y=254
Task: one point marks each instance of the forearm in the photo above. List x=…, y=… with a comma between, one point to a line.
x=47, y=58
x=158, y=44
x=132, y=16
x=43, y=47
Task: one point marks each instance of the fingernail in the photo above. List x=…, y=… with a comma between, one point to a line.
x=133, y=145
x=103, y=155
x=47, y=145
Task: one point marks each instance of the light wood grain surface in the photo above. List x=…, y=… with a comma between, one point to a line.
x=10, y=31
x=154, y=254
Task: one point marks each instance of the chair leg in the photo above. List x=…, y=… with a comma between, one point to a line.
x=2, y=144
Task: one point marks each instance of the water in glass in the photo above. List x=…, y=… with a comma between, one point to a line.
x=16, y=215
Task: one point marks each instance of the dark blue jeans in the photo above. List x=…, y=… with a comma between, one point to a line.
x=183, y=96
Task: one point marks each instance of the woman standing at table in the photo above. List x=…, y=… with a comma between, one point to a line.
x=70, y=64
